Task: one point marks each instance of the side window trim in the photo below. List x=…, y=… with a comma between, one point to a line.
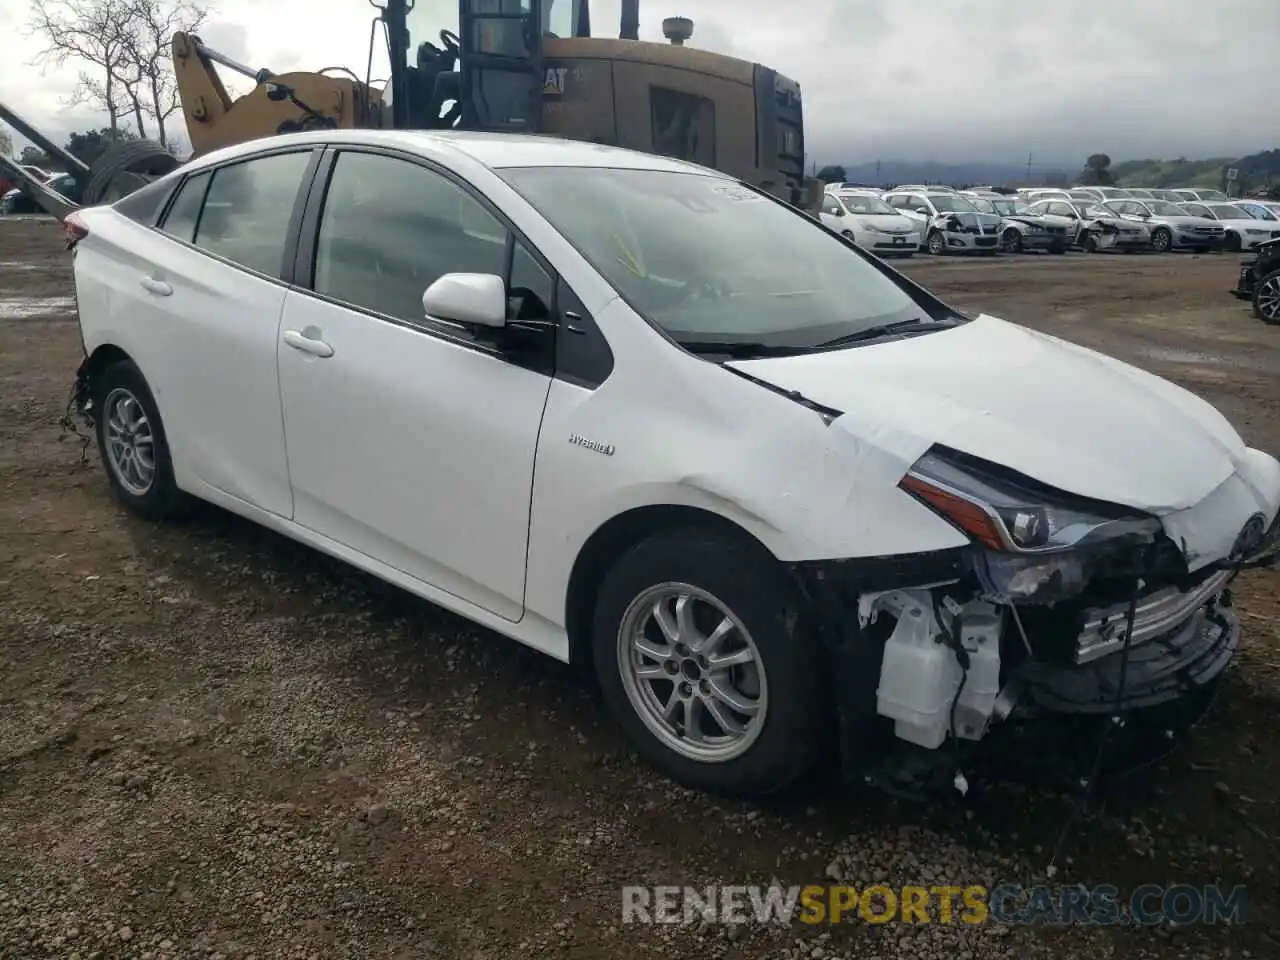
x=299, y=200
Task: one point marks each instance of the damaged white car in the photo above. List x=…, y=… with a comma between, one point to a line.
x=637, y=415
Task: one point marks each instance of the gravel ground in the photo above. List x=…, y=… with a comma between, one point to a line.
x=216, y=743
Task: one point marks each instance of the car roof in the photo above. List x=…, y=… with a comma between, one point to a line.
x=492, y=150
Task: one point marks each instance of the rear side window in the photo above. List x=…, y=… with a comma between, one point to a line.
x=248, y=208
x=180, y=221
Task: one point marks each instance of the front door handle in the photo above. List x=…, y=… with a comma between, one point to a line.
x=158, y=287
x=311, y=345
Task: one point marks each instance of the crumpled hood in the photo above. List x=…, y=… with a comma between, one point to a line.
x=1065, y=415
x=972, y=219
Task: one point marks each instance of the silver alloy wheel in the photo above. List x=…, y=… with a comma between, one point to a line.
x=1012, y=241
x=692, y=672
x=937, y=243
x=129, y=441
x=1162, y=240
x=1269, y=298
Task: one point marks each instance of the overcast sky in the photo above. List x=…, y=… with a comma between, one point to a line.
x=891, y=79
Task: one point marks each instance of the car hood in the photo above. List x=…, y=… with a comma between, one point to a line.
x=1060, y=413
x=895, y=223
x=1188, y=222
x=973, y=219
x=1036, y=220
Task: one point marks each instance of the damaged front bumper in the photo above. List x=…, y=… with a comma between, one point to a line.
x=892, y=629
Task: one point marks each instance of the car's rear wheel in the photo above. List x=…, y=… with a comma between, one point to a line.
x=131, y=441
x=1161, y=240
x=937, y=243
x=1011, y=241
x=701, y=654
x=1266, y=298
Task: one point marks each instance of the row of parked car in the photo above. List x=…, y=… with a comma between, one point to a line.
x=943, y=220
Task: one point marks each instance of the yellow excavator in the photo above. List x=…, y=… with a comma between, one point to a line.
x=519, y=66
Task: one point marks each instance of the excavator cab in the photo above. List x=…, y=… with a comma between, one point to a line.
x=487, y=75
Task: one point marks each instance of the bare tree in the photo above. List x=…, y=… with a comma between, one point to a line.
x=152, y=24
x=95, y=34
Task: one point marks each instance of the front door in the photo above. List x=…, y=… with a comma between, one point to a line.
x=410, y=441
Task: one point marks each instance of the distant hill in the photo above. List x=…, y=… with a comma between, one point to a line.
x=1256, y=170
x=977, y=172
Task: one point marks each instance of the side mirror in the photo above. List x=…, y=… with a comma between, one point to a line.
x=479, y=299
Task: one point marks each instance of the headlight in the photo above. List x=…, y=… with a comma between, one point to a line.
x=1038, y=544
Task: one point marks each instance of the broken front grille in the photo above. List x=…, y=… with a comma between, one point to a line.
x=1156, y=613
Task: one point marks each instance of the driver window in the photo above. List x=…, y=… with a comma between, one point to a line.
x=390, y=228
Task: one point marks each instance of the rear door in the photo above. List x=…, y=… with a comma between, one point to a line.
x=214, y=297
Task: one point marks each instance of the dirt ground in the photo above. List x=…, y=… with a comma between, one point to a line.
x=214, y=742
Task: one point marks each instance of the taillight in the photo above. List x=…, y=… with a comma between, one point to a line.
x=73, y=230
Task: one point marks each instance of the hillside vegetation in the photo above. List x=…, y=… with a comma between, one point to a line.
x=1258, y=169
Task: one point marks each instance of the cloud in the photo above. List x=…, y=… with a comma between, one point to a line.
x=959, y=80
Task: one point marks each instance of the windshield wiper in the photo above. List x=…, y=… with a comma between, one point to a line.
x=887, y=330
x=739, y=349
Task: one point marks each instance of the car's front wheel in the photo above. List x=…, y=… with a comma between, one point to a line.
x=131, y=441
x=1011, y=241
x=937, y=243
x=1266, y=298
x=1161, y=240
x=703, y=657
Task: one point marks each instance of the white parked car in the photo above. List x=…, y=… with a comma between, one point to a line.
x=948, y=222
x=1201, y=196
x=871, y=223
x=634, y=413
x=1244, y=230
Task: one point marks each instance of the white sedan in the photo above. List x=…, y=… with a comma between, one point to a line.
x=1244, y=230
x=634, y=413
x=870, y=223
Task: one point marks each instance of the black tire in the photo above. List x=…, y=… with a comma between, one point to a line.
x=161, y=499
x=142, y=158
x=1011, y=241
x=1090, y=243
x=755, y=590
x=936, y=243
x=1058, y=248
x=1266, y=298
x=1161, y=240
x=1231, y=242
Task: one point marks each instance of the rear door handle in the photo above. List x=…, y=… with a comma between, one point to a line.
x=158, y=287
x=311, y=345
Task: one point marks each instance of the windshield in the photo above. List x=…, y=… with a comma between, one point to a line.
x=1259, y=212
x=1225, y=211
x=428, y=17
x=869, y=206
x=1163, y=208
x=1011, y=207
x=1212, y=195
x=945, y=203
x=982, y=204
x=1095, y=210
x=709, y=260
